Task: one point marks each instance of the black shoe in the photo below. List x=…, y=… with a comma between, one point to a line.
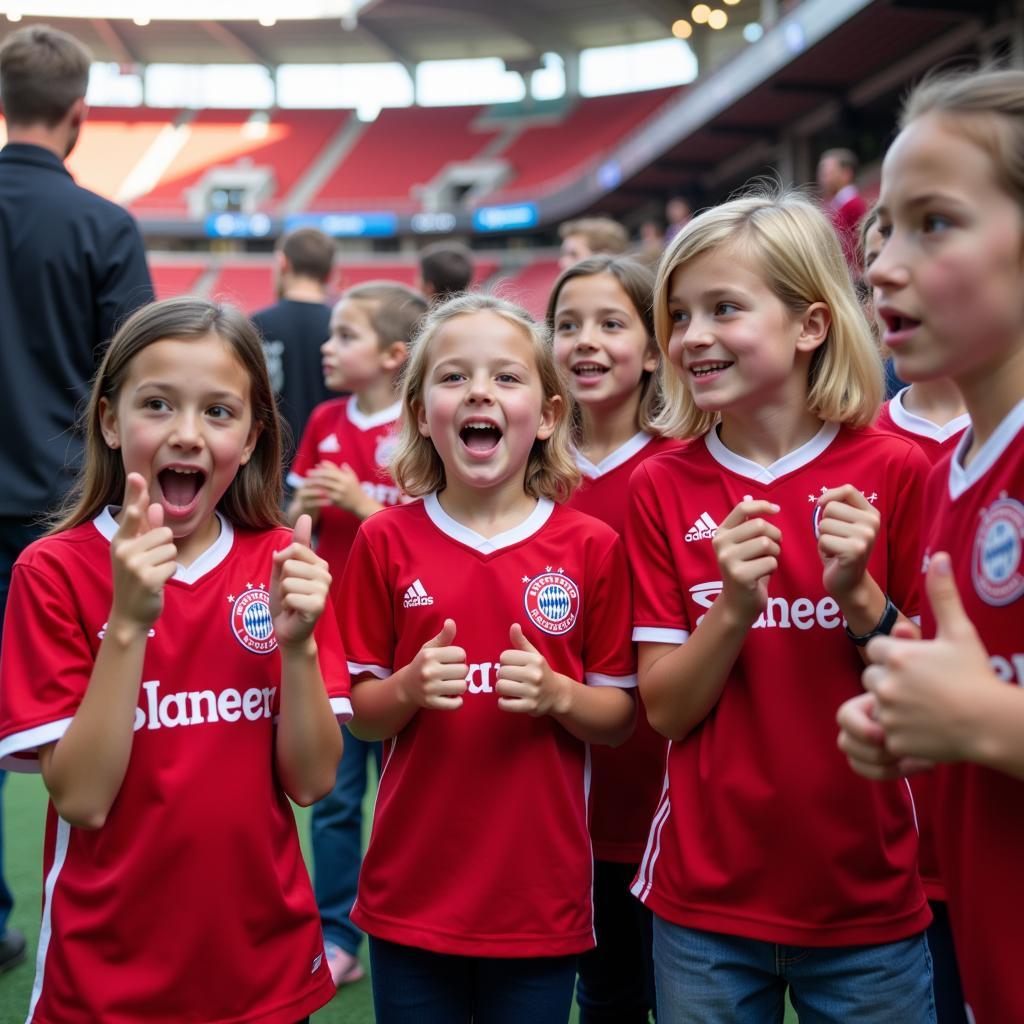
x=12, y=949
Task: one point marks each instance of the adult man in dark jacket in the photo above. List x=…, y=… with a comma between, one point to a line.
x=72, y=266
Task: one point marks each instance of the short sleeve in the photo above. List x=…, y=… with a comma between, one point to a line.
x=305, y=456
x=609, y=657
x=333, y=664
x=659, y=610
x=903, y=531
x=366, y=612
x=46, y=661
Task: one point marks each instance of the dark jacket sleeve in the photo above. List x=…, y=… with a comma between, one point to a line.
x=123, y=283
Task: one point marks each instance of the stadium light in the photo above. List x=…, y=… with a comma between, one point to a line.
x=731, y=3
x=13, y=16
x=268, y=20
x=718, y=19
x=700, y=14
x=682, y=29
x=191, y=10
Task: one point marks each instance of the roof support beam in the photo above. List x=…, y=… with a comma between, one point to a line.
x=232, y=41
x=115, y=42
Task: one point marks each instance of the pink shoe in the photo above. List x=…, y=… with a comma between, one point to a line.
x=344, y=966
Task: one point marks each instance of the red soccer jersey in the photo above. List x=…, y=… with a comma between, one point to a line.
x=977, y=515
x=762, y=830
x=479, y=844
x=338, y=432
x=192, y=901
x=625, y=782
x=935, y=442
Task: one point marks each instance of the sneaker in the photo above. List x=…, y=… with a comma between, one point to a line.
x=12, y=949
x=344, y=966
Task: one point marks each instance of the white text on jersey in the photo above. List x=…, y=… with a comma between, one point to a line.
x=704, y=528
x=194, y=707
x=781, y=613
x=416, y=596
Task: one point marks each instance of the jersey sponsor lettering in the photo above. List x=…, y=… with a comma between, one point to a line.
x=780, y=612
x=197, y=707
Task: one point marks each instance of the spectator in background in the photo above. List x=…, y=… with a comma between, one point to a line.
x=295, y=327
x=72, y=266
x=446, y=268
x=589, y=236
x=678, y=214
x=651, y=243
x=837, y=169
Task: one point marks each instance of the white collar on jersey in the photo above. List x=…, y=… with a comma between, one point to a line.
x=614, y=459
x=486, y=545
x=796, y=459
x=915, y=424
x=209, y=559
x=961, y=478
x=367, y=421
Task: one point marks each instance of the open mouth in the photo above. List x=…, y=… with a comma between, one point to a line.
x=480, y=435
x=180, y=486
x=706, y=369
x=589, y=370
x=897, y=322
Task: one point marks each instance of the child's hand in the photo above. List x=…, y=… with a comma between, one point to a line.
x=930, y=695
x=747, y=549
x=436, y=678
x=525, y=681
x=339, y=484
x=143, y=556
x=862, y=740
x=309, y=498
x=299, y=582
x=846, y=534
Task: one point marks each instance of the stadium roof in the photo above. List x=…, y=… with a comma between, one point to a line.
x=407, y=31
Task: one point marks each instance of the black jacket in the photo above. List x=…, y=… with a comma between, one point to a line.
x=72, y=266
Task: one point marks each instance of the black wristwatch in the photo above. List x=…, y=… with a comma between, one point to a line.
x=885, y=624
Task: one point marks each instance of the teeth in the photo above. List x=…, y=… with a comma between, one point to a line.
x=701, y=371
x=479, y=426
x=183, y=472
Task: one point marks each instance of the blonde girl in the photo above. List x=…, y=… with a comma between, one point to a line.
x=948, y=285
x=765, y=868
x=602, y=322
x=490, y=644
x=164, y=668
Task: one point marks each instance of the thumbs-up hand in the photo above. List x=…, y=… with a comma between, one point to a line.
x=526, y=683
x=299, y=584
x=927, y=692
x=437, y=675
x=142, y=555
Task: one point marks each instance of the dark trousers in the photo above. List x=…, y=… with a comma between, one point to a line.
x=616, y=984
x=414, y=986
x=15, y=536
x=949, y=995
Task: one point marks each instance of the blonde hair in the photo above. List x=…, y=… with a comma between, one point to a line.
x=416, y=466
x=790, y=242
x=253, y=497
x=989, y=106
x=637, y=280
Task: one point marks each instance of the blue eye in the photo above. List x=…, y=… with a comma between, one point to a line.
x=935, y=222
x=725, y=308
x=678, y=316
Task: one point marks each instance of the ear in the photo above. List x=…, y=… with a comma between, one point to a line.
x=652, y=357
x=77, y=113
x=421, y=419
x=250, y=443
x=814, y=326
x=108, y=424
x=393, y=355
x=551, y=413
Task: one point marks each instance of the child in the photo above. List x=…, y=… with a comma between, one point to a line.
x=948, y=284
x=160, y=663
x=603, y=325
x=476, y=617
x=930, y=413
x=340, y=478
x=765, y=868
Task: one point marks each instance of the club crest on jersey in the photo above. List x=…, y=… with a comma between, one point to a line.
x=251, y=623
x=552, y=601
x=998, y=552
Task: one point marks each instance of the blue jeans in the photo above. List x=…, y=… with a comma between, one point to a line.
x=949, y=994
x=337, y=840
x=710, y=978
x=414, y=986
x=616, y=984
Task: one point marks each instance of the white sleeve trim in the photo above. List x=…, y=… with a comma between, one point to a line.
x=28, y=742
x=356, y=668
x=653, y=635
x=294, y=480
x=342, y=708
x=622, y=682
x=915, y=619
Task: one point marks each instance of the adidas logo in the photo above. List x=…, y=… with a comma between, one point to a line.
x=703, y=529
x=329, y=444
x=416, y=596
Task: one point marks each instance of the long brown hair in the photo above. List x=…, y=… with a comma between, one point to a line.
x=253, y=497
